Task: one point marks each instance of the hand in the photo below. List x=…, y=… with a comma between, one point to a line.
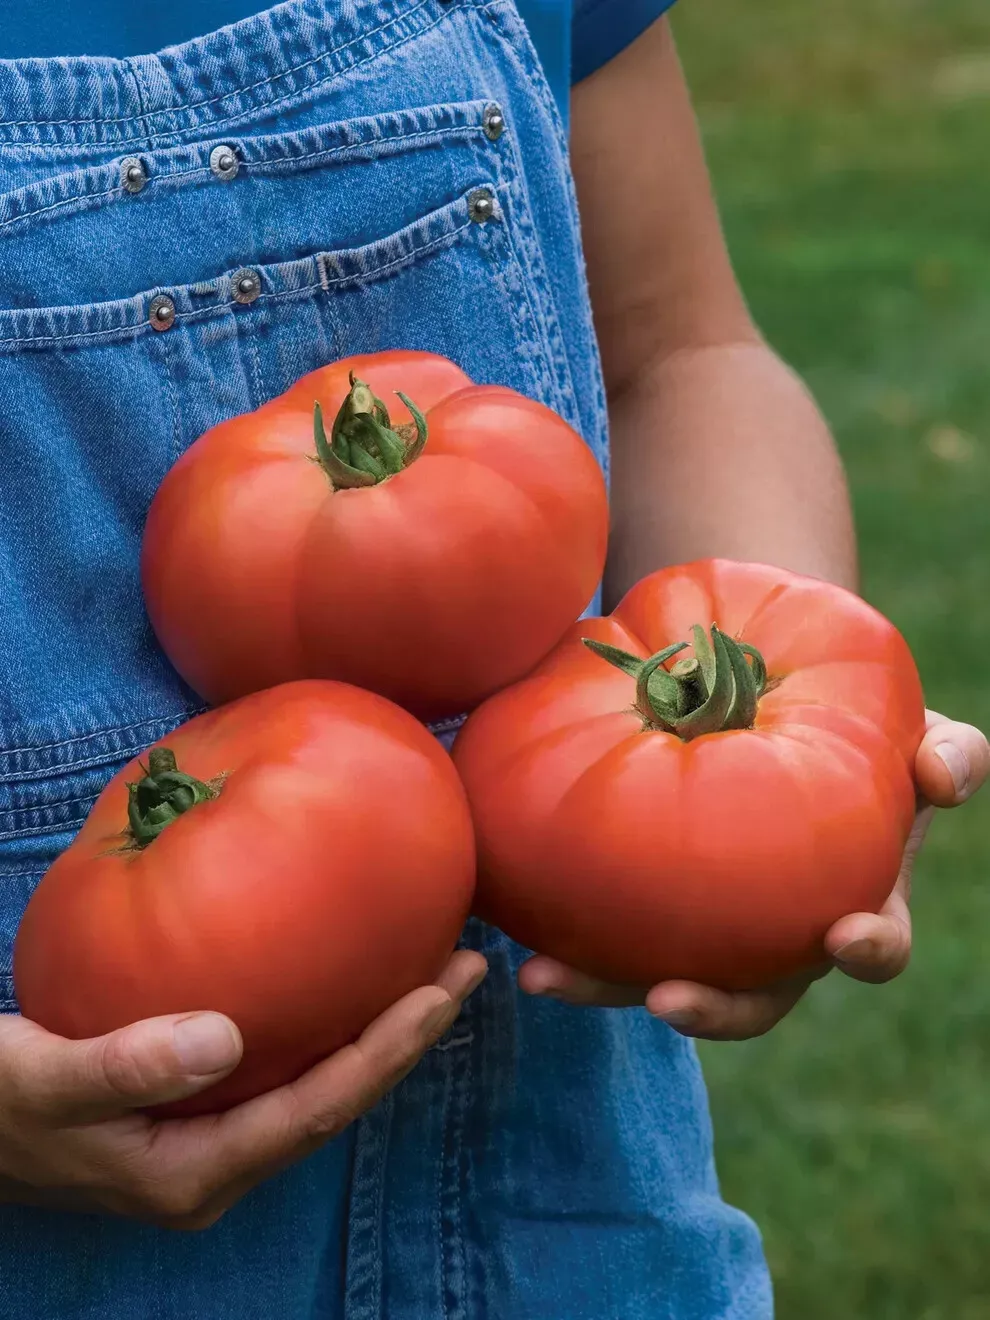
x=71, y=1136
x=952, y=763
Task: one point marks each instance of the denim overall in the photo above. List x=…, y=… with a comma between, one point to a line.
x=181, y=237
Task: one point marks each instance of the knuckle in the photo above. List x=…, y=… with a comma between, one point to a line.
x=329, y=1121
x=125, y=1072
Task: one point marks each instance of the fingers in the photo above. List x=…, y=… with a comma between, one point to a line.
x=293, y=1121
x=148, y=1063
x=952, y=762
x=873, y=948
x=709, y=1014
x=544, y=976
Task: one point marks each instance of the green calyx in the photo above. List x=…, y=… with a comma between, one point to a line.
x=162, y=796
x=364, y=448
x=717, y=688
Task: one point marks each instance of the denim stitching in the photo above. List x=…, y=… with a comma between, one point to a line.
x=48, y=806
x=142, y=99
x=138, y=326
x=57, y=828
x=548, y=327
x=19, y=875
x=49, y=770
x=247, y=111
x=202, y=312
x=252, y=350
x=399, y=261
x=84, y=737
x=550, y=106
x=279, y=162
x=53, y=206
x=173, y=398
x=234, y=91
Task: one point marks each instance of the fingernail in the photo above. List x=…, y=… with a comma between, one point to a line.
x=475, y=981
x=679, y=1018
x=856, y=951
x=957, y=765
x=205, y=1044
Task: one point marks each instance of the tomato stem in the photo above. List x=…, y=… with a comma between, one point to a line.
x=717, y=688
x=162, y=796
x=364, y=448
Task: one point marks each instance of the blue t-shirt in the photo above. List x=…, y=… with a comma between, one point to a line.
x=573, y=37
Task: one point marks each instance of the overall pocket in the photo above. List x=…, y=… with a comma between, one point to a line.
x=98, y=397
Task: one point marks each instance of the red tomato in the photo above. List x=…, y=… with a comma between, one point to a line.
x=695, y=820
x=431, y=568
x=318, y=867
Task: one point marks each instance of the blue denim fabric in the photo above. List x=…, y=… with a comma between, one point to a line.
x=541, y=1161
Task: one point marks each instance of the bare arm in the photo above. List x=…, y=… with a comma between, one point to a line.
x=717, y=447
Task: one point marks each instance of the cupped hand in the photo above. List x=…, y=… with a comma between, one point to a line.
x=952, y=763
x=72, y=1135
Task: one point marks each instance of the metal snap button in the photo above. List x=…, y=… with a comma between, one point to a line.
x=493, y=122
x=247, y=285
x=161, y=313
x=481, y=205
x=224, y=162
x=133, y=175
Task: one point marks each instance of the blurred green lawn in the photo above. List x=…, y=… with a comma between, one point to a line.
x=849, y=145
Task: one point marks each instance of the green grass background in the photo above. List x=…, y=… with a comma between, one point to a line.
x=850, y=146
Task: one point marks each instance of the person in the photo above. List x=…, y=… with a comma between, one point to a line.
x=183, y=235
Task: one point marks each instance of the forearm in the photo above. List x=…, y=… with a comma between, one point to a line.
x=721, y=451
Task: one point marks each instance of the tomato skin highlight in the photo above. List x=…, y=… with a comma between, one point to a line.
x=435, y=588
x=638, y=857
x=330, y=876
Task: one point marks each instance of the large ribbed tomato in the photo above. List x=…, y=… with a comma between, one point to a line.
x=432, y=561
x=309, y=862
x=707, y=817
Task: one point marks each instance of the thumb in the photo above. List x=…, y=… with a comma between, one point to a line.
x=953, y=761
x=147, y=1063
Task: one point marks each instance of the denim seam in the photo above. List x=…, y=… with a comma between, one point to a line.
x=440, y=241
x=20, y=875
x=550, y=106
x=255, y=363
x=203, y=312
x=363, y=1285
x=46, y=806
x=141, y=91
x=173, y=397
x=547, y=317
x=247, y=111
x=141, y=326
x=453, y=1245
x=56, y=827
x=84, y=737
x=234, y=91
x=257, y=166
x=66, y=201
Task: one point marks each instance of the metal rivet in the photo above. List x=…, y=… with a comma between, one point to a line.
x=247, y=285
x=493, y=122
x=133, y=175
x=481, y=205
x=161, y=313
x=224, y=162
